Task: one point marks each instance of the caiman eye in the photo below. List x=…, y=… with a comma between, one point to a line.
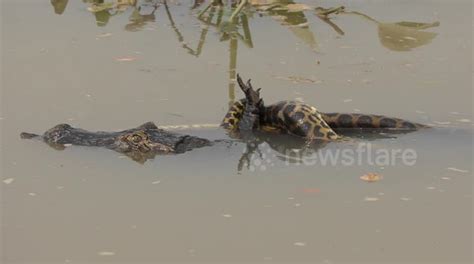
x=136, y=138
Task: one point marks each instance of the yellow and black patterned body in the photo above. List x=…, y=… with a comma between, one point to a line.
x=364, y=121
x=288, y=117
x=300, y=119
x=234, y=115
x=297, y=118
x=306, y=121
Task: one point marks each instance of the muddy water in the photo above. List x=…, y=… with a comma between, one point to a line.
x=119, y=69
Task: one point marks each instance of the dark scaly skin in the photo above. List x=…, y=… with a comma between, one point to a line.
x=306, y=121
x=285, y=117
x=140, y=144
x=365, y=121
x=288, y=117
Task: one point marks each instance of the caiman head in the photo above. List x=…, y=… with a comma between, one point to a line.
x=140, y=144
x=140, y=140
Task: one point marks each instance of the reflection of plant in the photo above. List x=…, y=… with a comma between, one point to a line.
x=103, y=10
x=139, y=20
x=59, y=6
x=397, y=36
x=195, y=52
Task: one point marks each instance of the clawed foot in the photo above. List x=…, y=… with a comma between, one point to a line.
x=252, y=96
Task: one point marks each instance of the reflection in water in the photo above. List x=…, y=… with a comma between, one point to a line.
x=262, y=147
x=402, y=36
x=296, y=22
x=148, y=141
x=323, y=14
x=139, y=20
x=59, y=6
x=397, y=36
x=195, y=52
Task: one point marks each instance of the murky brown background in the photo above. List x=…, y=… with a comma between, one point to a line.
x=87, y=205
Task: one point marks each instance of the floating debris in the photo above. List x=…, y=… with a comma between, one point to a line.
x=299, y=244
x=430, y=188
x=464, y=120
x=227, y=215
x=457, y=170
x=371, y=177
x=406, y=199
x=297, y=79
x=104, y=35
x=67, y=145
x=32, y=194
x=156, y=182
x=347, y=100
x=445, y=178
x=125, y=59
x=291, y=198
x=297, y=204
x=8, y=181
x=371, y=199
x=106, y=253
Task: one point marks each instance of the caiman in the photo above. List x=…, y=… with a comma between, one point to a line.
x=246, y=115
x=140, y=143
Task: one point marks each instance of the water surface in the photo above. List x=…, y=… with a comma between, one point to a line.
x=113, y=71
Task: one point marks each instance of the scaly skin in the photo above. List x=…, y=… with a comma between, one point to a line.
x=306, y=121
x=244, y=117
x=141, y=143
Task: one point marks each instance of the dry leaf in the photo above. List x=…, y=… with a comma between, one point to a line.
x=371, y=177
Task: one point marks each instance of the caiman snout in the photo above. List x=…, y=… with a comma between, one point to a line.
x=26, y=135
